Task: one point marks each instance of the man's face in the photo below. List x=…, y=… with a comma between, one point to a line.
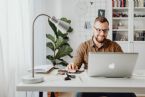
x=100, y=31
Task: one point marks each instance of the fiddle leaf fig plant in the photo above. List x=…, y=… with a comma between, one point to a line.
x=58, y=44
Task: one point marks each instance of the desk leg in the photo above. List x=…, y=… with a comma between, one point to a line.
x=40, y=94
x=52, y=94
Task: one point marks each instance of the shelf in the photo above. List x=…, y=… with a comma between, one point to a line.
x=122, y=42
x=139, y=8
x=139, y=18
x=139, y=29
x=124, y=30
x=135, y=41
x=120, y=18
x=126, y=42
x=141, y=42
x=120, y=8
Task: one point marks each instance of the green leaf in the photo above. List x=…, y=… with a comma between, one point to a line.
x=69, y=21
x=65, y=20
x=54, y=28
x=59, y=33
x=49, y=36
x=60, y=42
x=70, y=55
x=63, y=51
x=50, y=45
x=64, y=36
x=63, y=62
x=50, y=57
x=70, y=29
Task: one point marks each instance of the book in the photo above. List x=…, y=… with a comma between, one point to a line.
x=126, y=3
x=141, y=3
x=42, y=68
x=116, y=3
x=136, y=3
x=112, y=3
x=122, y=3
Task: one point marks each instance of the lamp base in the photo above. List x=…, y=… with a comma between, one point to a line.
x=32, y=80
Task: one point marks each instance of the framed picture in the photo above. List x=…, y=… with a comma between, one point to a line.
x=101, y=12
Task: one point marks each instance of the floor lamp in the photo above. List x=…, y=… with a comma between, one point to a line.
x=61, y=25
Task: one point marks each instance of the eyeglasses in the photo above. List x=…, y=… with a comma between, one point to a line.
x=99, y=30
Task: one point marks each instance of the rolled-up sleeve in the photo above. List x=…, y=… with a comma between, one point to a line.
x=78, y=58
x=118, y=48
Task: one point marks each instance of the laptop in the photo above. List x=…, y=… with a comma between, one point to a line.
x=112, y=64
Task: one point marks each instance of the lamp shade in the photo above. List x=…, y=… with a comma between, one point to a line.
x=61, y=25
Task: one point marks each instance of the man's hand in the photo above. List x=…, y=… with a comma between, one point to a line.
x=72, y=67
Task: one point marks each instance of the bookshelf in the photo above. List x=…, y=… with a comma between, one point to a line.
x=128, y=27
x=128, y=18
x=139, y=8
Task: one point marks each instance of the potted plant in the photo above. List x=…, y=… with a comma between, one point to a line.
x=58, y=44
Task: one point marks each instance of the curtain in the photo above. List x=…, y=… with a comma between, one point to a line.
x=15, y=44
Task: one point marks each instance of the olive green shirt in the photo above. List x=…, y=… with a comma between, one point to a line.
x=81, y=56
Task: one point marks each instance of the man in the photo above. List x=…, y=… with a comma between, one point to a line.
x=98, y=43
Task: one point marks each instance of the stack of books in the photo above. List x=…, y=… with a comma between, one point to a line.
x=124, y=3
x=139, y=3
x=119, y=3
x=42, y=68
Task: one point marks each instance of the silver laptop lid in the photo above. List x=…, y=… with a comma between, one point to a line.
x=111, y=64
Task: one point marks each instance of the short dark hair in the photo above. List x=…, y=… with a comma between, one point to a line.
x=101, y=19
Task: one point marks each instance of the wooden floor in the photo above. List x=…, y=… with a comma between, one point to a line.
x=69, y=94
x=140, y=96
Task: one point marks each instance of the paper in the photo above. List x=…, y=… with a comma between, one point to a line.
x=42, y=68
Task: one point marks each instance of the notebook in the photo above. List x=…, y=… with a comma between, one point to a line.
x=42, y=68
x=102, y=64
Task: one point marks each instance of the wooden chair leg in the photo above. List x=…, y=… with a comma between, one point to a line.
x=49, y=94
x=56, y=94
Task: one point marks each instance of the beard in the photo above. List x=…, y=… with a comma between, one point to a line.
x=100, y=40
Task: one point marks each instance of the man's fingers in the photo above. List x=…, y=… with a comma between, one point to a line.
x=72, y=67
x=76, y=67
x=69, y=66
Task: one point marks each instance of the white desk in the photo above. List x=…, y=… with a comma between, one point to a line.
x=83, y=83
